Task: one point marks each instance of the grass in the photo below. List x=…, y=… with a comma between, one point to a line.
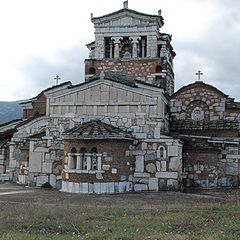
x=46, y=221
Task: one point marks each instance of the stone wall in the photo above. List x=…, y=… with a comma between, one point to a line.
x=143, y=112
x=142, y=69
x=210, y=164
x=116, y=164
x=207, y=99
x=38, y=107
x=158, y=165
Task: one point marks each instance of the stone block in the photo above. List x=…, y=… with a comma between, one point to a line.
x=71, y=187
x=53, y=180
x=140, y=187
x=129, y=186
x=174, y=164
x=2, y=169
x=41, y=149
x=141, y=180
x=139, y=164
x=172, y=151
x=22, y=179
x=46, y=167
x=140, y=135
x=84, y=187
x=163, y=166
x=41, y=180
x=97, y=188
x=150, y=157
x=144, y=146
x=173, y=175
x=153, y=184
x=122, y=187
x=104, y=187
x=151, y=168
x=35, y=161
x=158, y=165
x=76, y=188
x=64, y=186
x=157, y=131
x=110, y=187
x=105, y=167
x=90, y=188
x=12, y=163
x=162, y=184
x=172, y=184
x=141, y=175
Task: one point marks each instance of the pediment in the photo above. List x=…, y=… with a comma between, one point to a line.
x=124, y=21
x=127, y=17
x=198, y=87
x=103, y=92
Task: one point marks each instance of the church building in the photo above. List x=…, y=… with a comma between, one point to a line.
x=124, y=128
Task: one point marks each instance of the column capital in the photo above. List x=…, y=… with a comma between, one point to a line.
x=116, y=39
x=135, y=39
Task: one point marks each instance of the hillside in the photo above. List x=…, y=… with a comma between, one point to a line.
x=9, y=111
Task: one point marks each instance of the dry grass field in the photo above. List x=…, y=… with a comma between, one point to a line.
x=31, y=213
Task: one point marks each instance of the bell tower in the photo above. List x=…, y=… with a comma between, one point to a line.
x=131, y=42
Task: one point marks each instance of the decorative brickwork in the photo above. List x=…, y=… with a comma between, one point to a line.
x=207, y=122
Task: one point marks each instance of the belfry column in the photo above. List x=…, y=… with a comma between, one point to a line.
x=111, y=49
x=79, y=158
x=143, y=48
x=134, y=51
x=69, y=161
x=116, y=47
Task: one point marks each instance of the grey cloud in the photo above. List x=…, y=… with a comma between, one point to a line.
x=39, y=72
x=217, y=51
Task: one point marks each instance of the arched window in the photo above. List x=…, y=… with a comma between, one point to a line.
x=161, y=150
x=158, y=69
x=73, y=150
x=83, y=164
x=73, y=164
x=94, y=158
x=197, y=116
x=94, y=150
x=83, y=150
x=92, y=70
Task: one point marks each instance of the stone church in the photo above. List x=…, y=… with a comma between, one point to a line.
x=124, y=128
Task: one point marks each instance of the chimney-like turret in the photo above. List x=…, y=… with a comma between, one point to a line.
x=125, y=4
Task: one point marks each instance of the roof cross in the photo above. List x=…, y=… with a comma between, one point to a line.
x=57, y=78
x=199, y=73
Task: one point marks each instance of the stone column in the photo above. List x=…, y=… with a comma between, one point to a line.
x=79, y=161
x=111, y=49
x=100, y=47
x=134, y=51
x=69, y=161
x=116, y=46
x=99, y=161
x=89, y=161
x=143, y=48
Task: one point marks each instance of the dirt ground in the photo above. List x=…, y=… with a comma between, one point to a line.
x=13, y=193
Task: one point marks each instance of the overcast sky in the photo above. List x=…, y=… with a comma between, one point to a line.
x=43, y=38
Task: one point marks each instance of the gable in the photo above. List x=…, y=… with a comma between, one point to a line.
x=198, y=87
x=127, y=17
x=198, y=101
x=106, y=97
x=102, y=93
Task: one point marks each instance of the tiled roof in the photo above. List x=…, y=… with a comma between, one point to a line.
x=117, y=76
x=96, y=129
x=198, y=84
